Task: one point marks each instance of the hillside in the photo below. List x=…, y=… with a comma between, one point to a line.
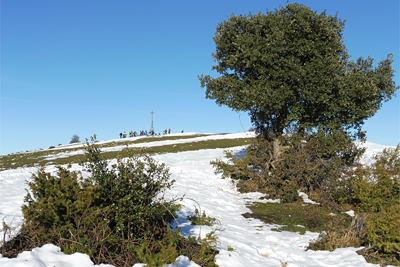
x=242, y=241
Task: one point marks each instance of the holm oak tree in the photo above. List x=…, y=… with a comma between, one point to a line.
x=290, y=68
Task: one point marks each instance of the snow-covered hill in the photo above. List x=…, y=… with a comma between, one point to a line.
x=253, y=241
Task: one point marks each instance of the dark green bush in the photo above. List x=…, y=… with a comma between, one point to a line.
x=117, y=215
x=307, y=162
x=377, y=186
x=376, y=191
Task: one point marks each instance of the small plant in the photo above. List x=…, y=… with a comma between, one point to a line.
x=196, y=219
x=231, y=248
x=74, y=139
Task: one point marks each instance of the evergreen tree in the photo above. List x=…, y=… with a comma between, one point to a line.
x=290, y=69
x=74, y=139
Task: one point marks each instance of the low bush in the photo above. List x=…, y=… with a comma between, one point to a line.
x=374, y=192
x=290, y=163
x=117, y=215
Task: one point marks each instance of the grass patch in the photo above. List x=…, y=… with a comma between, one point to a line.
x=36, y=158
x=314, y=218
x=149, y=139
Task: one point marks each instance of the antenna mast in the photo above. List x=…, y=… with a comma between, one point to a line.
x=152, y=128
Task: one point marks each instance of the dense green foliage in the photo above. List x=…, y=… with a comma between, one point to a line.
x=376, y=191
x=290, y=68
x=117, y=215
x=290, y=163
x=291, y=71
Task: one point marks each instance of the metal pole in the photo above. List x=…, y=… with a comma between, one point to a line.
x=152, y=128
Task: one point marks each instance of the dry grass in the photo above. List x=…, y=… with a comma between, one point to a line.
x=342, y=237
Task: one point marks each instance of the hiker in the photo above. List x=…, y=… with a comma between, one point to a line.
x=169, y=131
x=120, y=135
x=182, y=131
x=125, y=134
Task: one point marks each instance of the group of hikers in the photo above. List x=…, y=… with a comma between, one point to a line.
x=143, y=132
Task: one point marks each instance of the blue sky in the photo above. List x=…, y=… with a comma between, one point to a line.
x=100, y=67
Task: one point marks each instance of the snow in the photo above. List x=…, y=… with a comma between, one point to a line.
x=150, y=144
x=350, y=213
x=372, y=150
x=306, y=199
x=254, y=242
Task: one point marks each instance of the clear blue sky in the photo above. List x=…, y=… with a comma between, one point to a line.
x=100, y=67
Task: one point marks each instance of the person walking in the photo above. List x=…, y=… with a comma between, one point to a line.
x=169, y=131
x=120, y=135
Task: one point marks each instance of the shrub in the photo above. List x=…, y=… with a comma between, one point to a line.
x=74, y=139
x=374, y=192
x=117, y=216
x=290, y=163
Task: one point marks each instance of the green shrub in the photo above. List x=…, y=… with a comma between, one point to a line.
x=117, y=216
x=279, y=168
x=376, y=190
x=383, y=230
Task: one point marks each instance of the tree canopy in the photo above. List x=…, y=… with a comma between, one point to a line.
x=290, y=68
